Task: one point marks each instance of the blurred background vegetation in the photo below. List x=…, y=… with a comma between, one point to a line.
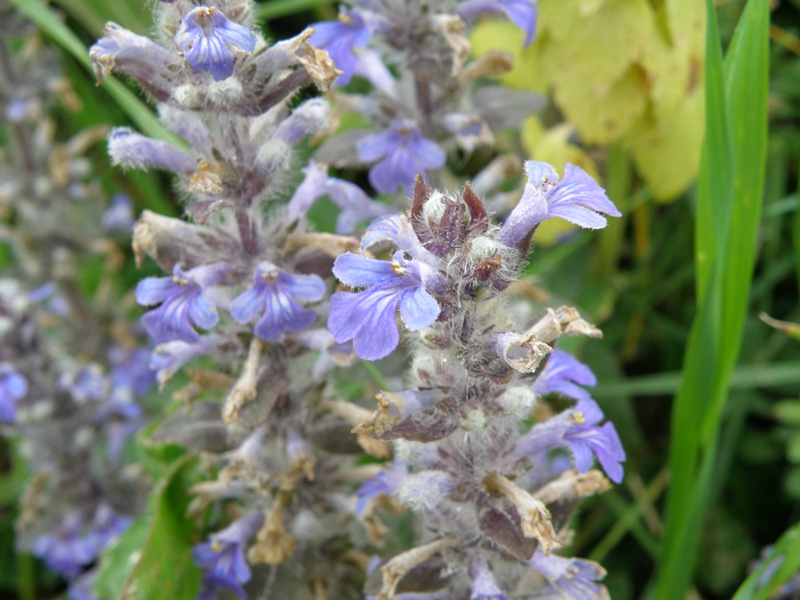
x=626, y=81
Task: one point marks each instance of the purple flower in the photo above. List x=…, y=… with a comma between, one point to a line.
x=106, y=527
x=86, y=383
x=340, y=38
x=484, y=586
x=66, y=552
x=577, y=198
x=223, y=558
x=273, y=298
x=205, y=36
x=183, y=303
x=577, y=430
x=82, y=587
x=368, y=317
x=308, y=118
x=122, y=418
x=13, y=388
x=355, y=204
x=122, y=51
x=572, y=577
x=119, y=215
x=167, y=358
x=52, y=300
x=520, y=12
x=130, y=370
x=384, y=483
x=561, y=374
x=131, y=149
x=402, y=152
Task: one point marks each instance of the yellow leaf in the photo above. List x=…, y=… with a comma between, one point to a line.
x=666, y=150
x=495, y=34
x=598, y=41
x=601, y=119
x=552, y=146
x=674, y=63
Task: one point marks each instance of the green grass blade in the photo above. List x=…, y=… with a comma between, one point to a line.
x=282, y=8
x=138, y=111
x=746, y=377
x=796, y=236
x=715, y=182
x=787, y=550
x=729, y=209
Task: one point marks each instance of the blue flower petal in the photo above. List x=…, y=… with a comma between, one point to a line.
x=204, y=36
x=309, y=288
x=153, y=290
x=418, y=309
x=357, y=270
x=203, y=313
x=248, y=306
x=369, y=319
x=282, y=313
x=375, y=146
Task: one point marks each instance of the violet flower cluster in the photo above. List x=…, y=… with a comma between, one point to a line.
x=493, y=499
x=72, y=365
x=285, y=503
x=426, y=100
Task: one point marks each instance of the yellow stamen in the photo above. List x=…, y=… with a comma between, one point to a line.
x=578, y=418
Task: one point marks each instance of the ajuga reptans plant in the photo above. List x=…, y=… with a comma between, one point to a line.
x=289, y=506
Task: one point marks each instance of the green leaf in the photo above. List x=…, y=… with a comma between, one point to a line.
x=117, y=561
x=788, y=411
x=282, y=8
x=793, y=448
x=153, y=559
x=154, y=457
x=728, y=215
x=787, y=551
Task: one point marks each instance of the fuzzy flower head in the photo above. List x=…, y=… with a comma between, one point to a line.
x=273, y=301
x=577, y=198
x=206, y=36
x=368, y=317
x=13, y=388
x=183, y=303
x=341, y=38
x=223, y=557
x=402, y=152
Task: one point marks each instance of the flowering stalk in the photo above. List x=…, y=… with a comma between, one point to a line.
x=248, y=289
x=461, y=463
